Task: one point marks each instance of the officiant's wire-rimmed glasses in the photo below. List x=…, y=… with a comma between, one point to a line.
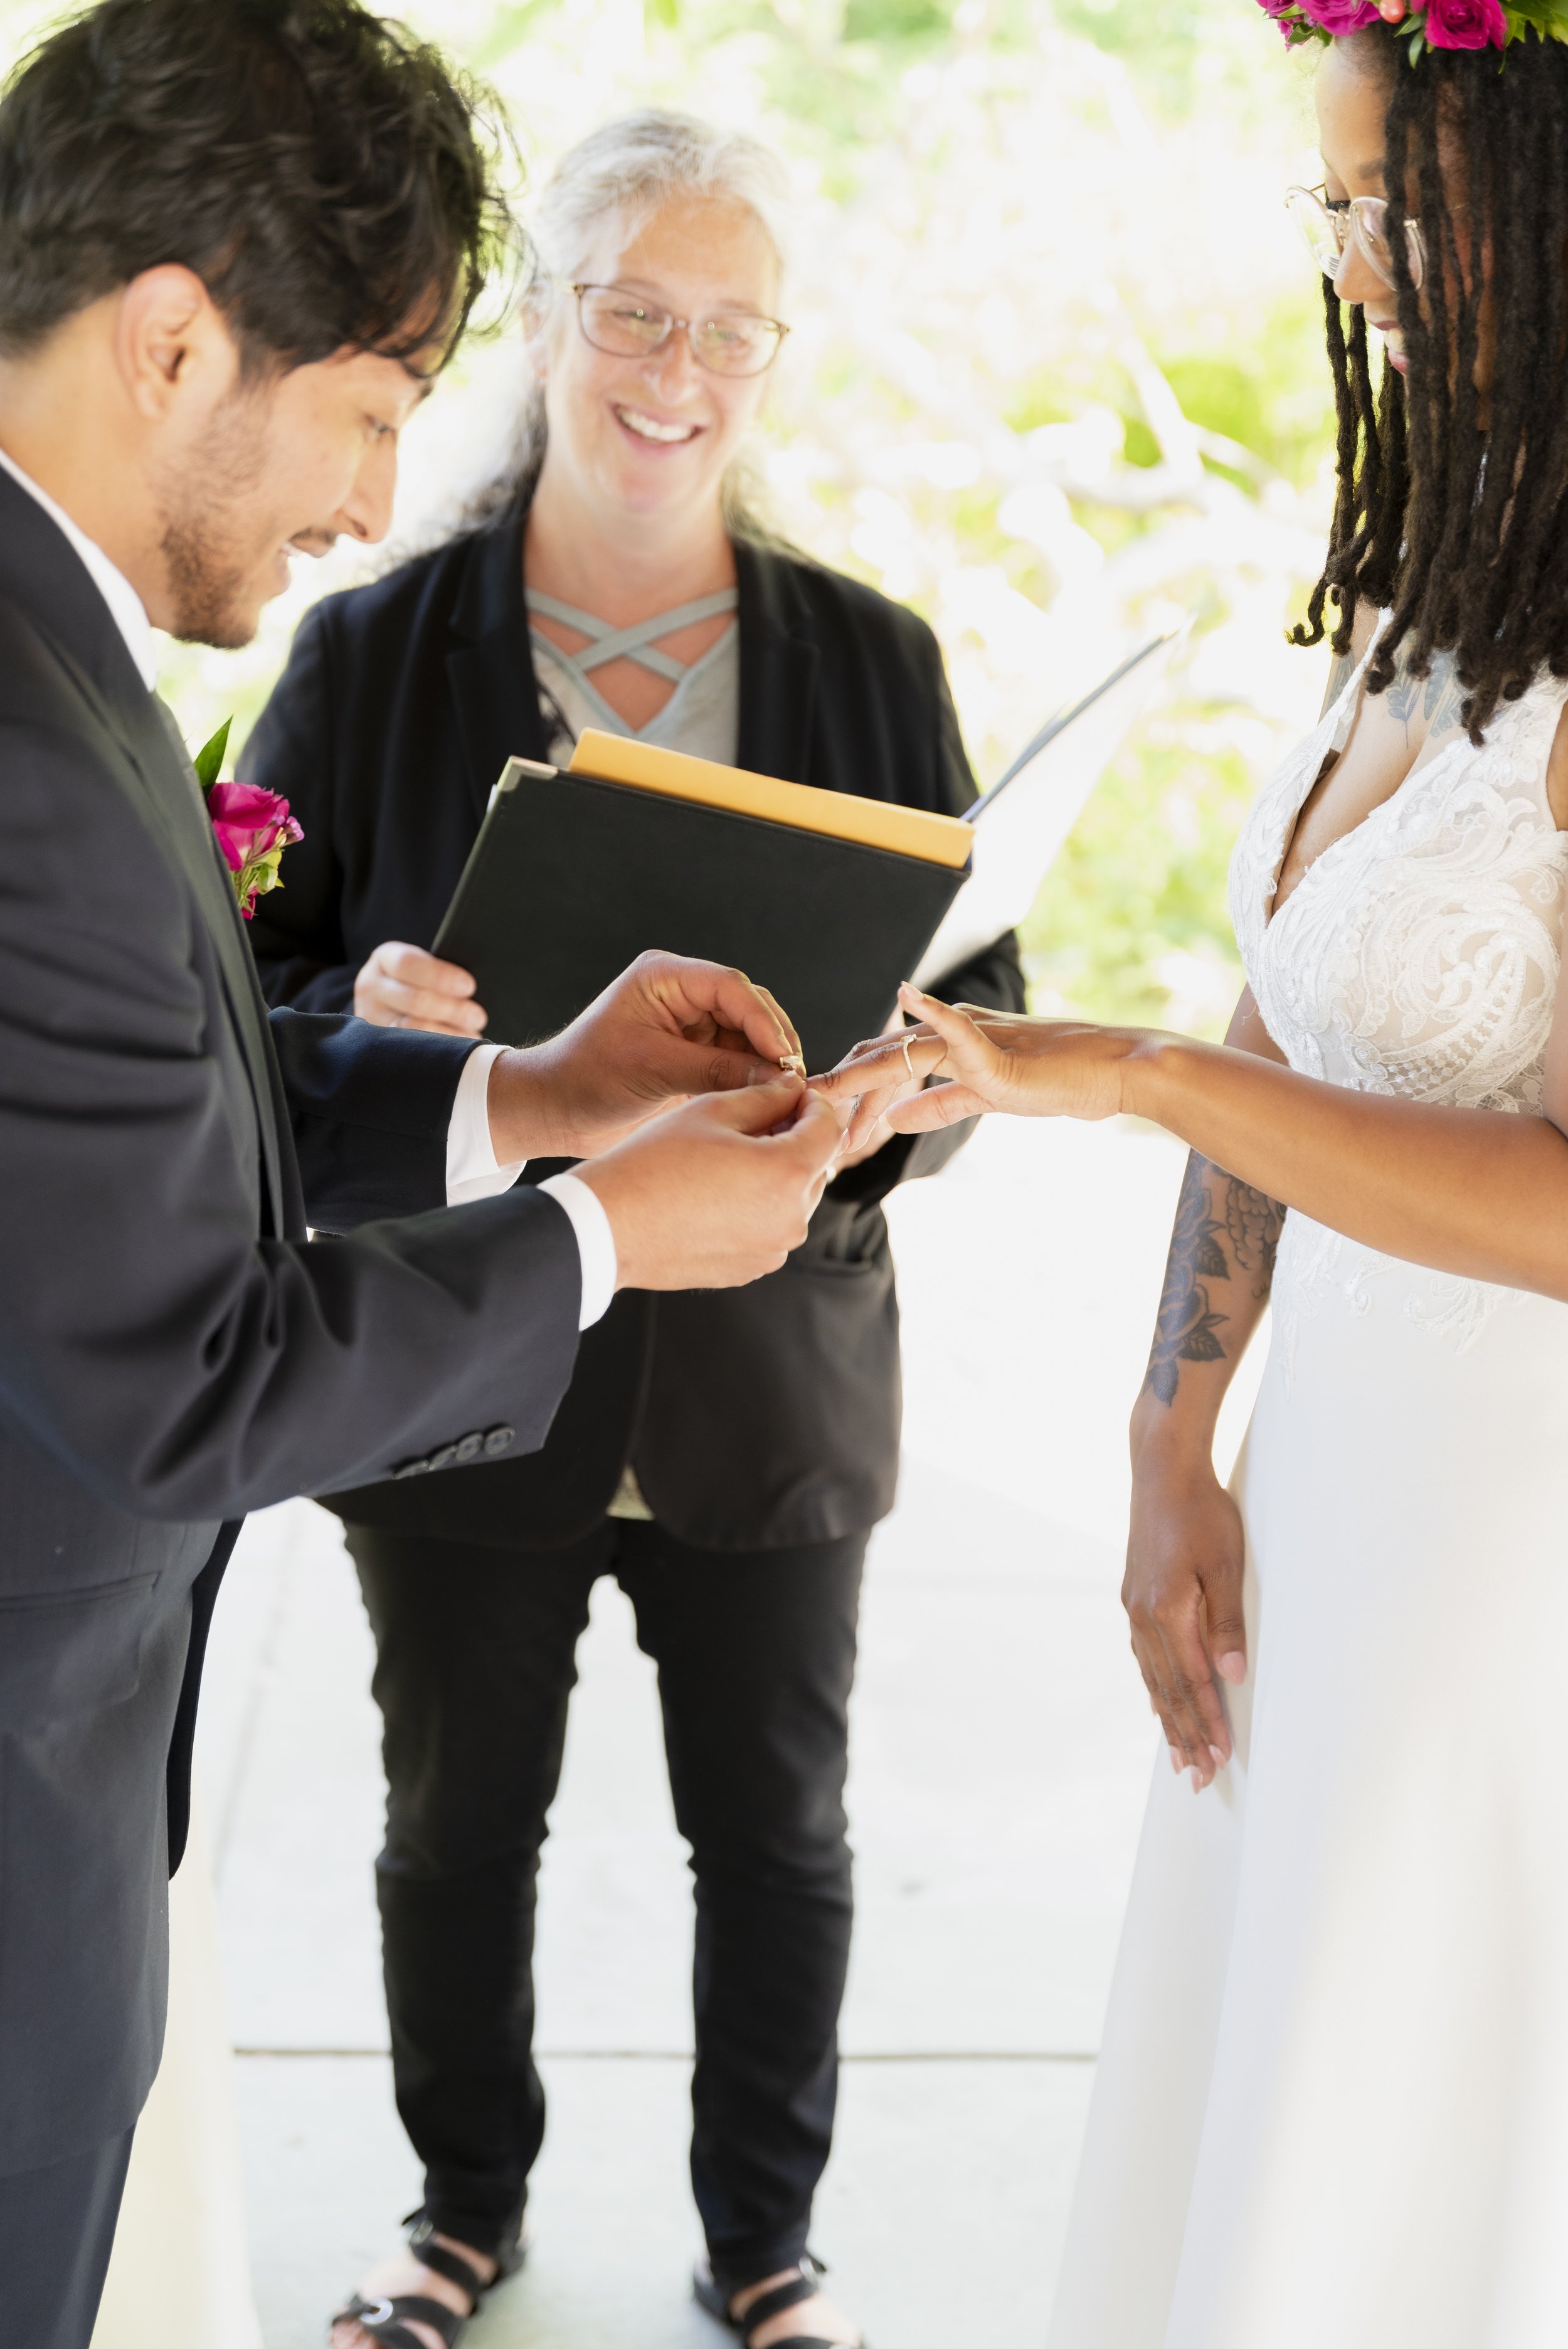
x=1329, y=223
x=729, y=342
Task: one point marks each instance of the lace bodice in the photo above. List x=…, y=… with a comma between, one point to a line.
x=1418, y=955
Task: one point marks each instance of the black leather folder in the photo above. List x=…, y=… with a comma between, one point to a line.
x=826, y=900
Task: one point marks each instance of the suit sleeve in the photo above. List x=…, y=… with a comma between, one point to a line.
x=149, y=1341
x=369, y=1109
x=296, y=934
x=995, y=978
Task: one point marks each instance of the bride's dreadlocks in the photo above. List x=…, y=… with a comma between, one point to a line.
x=1452, y=510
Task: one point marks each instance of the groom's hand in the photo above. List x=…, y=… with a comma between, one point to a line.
x=718, y=1193
x=666, y=1029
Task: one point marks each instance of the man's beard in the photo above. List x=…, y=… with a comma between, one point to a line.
x=211, y=544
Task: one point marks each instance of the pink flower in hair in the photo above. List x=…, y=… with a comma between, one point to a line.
x=1287, y=14
x=1465, y=23
x=1341, y=16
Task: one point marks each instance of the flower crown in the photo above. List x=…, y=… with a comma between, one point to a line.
x=1425, y=24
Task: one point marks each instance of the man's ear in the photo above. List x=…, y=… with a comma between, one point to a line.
x=172, y=346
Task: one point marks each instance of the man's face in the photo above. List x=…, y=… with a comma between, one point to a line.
x=285, y=463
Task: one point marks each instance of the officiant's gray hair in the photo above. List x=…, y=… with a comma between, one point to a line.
x=629, y=169
x=618, y=177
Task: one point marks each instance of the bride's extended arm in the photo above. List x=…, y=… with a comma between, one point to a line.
x=1471, y=1191
x=1183, y=1590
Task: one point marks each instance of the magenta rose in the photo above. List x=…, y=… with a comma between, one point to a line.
x=1287, y=14
x=1465, y=23
x=252, y=828
x=1341, y=16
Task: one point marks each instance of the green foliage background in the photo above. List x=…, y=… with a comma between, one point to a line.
x=1057, y=378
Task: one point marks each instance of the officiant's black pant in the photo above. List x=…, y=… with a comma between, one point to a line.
x=755, y=1654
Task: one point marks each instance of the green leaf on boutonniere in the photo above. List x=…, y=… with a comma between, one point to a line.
x=209, y=759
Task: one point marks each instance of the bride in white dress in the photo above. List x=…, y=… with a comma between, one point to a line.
x=1332, y=2105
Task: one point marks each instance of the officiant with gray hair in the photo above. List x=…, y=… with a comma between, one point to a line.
x=724, y=1457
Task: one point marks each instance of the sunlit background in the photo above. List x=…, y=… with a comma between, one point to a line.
x=1056, y=378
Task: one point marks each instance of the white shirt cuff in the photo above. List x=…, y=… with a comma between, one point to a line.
x=471, y=1170
x=472, y=1173
x=595, y=1243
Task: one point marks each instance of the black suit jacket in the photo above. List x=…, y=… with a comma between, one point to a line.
x=755, y=1418
x=173, y=1350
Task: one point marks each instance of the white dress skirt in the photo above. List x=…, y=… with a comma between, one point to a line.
x=1332, y=2105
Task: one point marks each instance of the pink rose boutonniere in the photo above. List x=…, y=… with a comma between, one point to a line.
x=251, y=827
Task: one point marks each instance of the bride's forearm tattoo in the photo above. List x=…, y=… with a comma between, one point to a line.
x=1219, y=1235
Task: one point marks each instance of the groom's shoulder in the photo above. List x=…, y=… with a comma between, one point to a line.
x=36, y=685
x=69, y=821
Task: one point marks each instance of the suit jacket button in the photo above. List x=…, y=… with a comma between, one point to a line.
x=499, y=1439
x=470, y=1449
x=412, y=1468
x=445, y=1457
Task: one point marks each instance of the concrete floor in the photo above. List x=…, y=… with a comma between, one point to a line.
x=1002, y=1747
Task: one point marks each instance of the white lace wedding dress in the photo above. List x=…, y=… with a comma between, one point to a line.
x=1332, y=2107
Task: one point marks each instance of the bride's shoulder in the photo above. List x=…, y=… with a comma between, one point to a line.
x=1343, y=666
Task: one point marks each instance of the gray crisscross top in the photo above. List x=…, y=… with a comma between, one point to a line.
x=702, y=717
x=702, y=714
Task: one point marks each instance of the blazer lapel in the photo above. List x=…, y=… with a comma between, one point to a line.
x=779, y=669
x=489, y=675
x=174, y=797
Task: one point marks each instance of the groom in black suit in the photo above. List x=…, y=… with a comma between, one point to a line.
x=237, y=240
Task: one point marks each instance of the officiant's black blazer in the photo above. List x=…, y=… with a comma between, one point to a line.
x=172, y=1351
x=755, y=1418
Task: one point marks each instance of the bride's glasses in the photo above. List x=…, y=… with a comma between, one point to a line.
x=730, y=342
x=1330, y=224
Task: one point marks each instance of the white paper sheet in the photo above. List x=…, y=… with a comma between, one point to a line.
x=1021, y=823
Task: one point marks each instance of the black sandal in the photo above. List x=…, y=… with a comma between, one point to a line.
x=804, y=2286
x=385, y=2321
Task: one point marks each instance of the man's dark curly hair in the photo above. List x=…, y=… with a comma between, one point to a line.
x=1452, y=503
x=330, y=179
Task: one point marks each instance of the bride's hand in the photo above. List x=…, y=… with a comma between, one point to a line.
x=1182, y=1593
x=988, y=1061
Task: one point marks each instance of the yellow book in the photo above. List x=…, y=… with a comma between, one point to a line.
x=874, y=824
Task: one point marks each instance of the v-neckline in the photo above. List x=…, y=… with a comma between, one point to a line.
x=1341, y=722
